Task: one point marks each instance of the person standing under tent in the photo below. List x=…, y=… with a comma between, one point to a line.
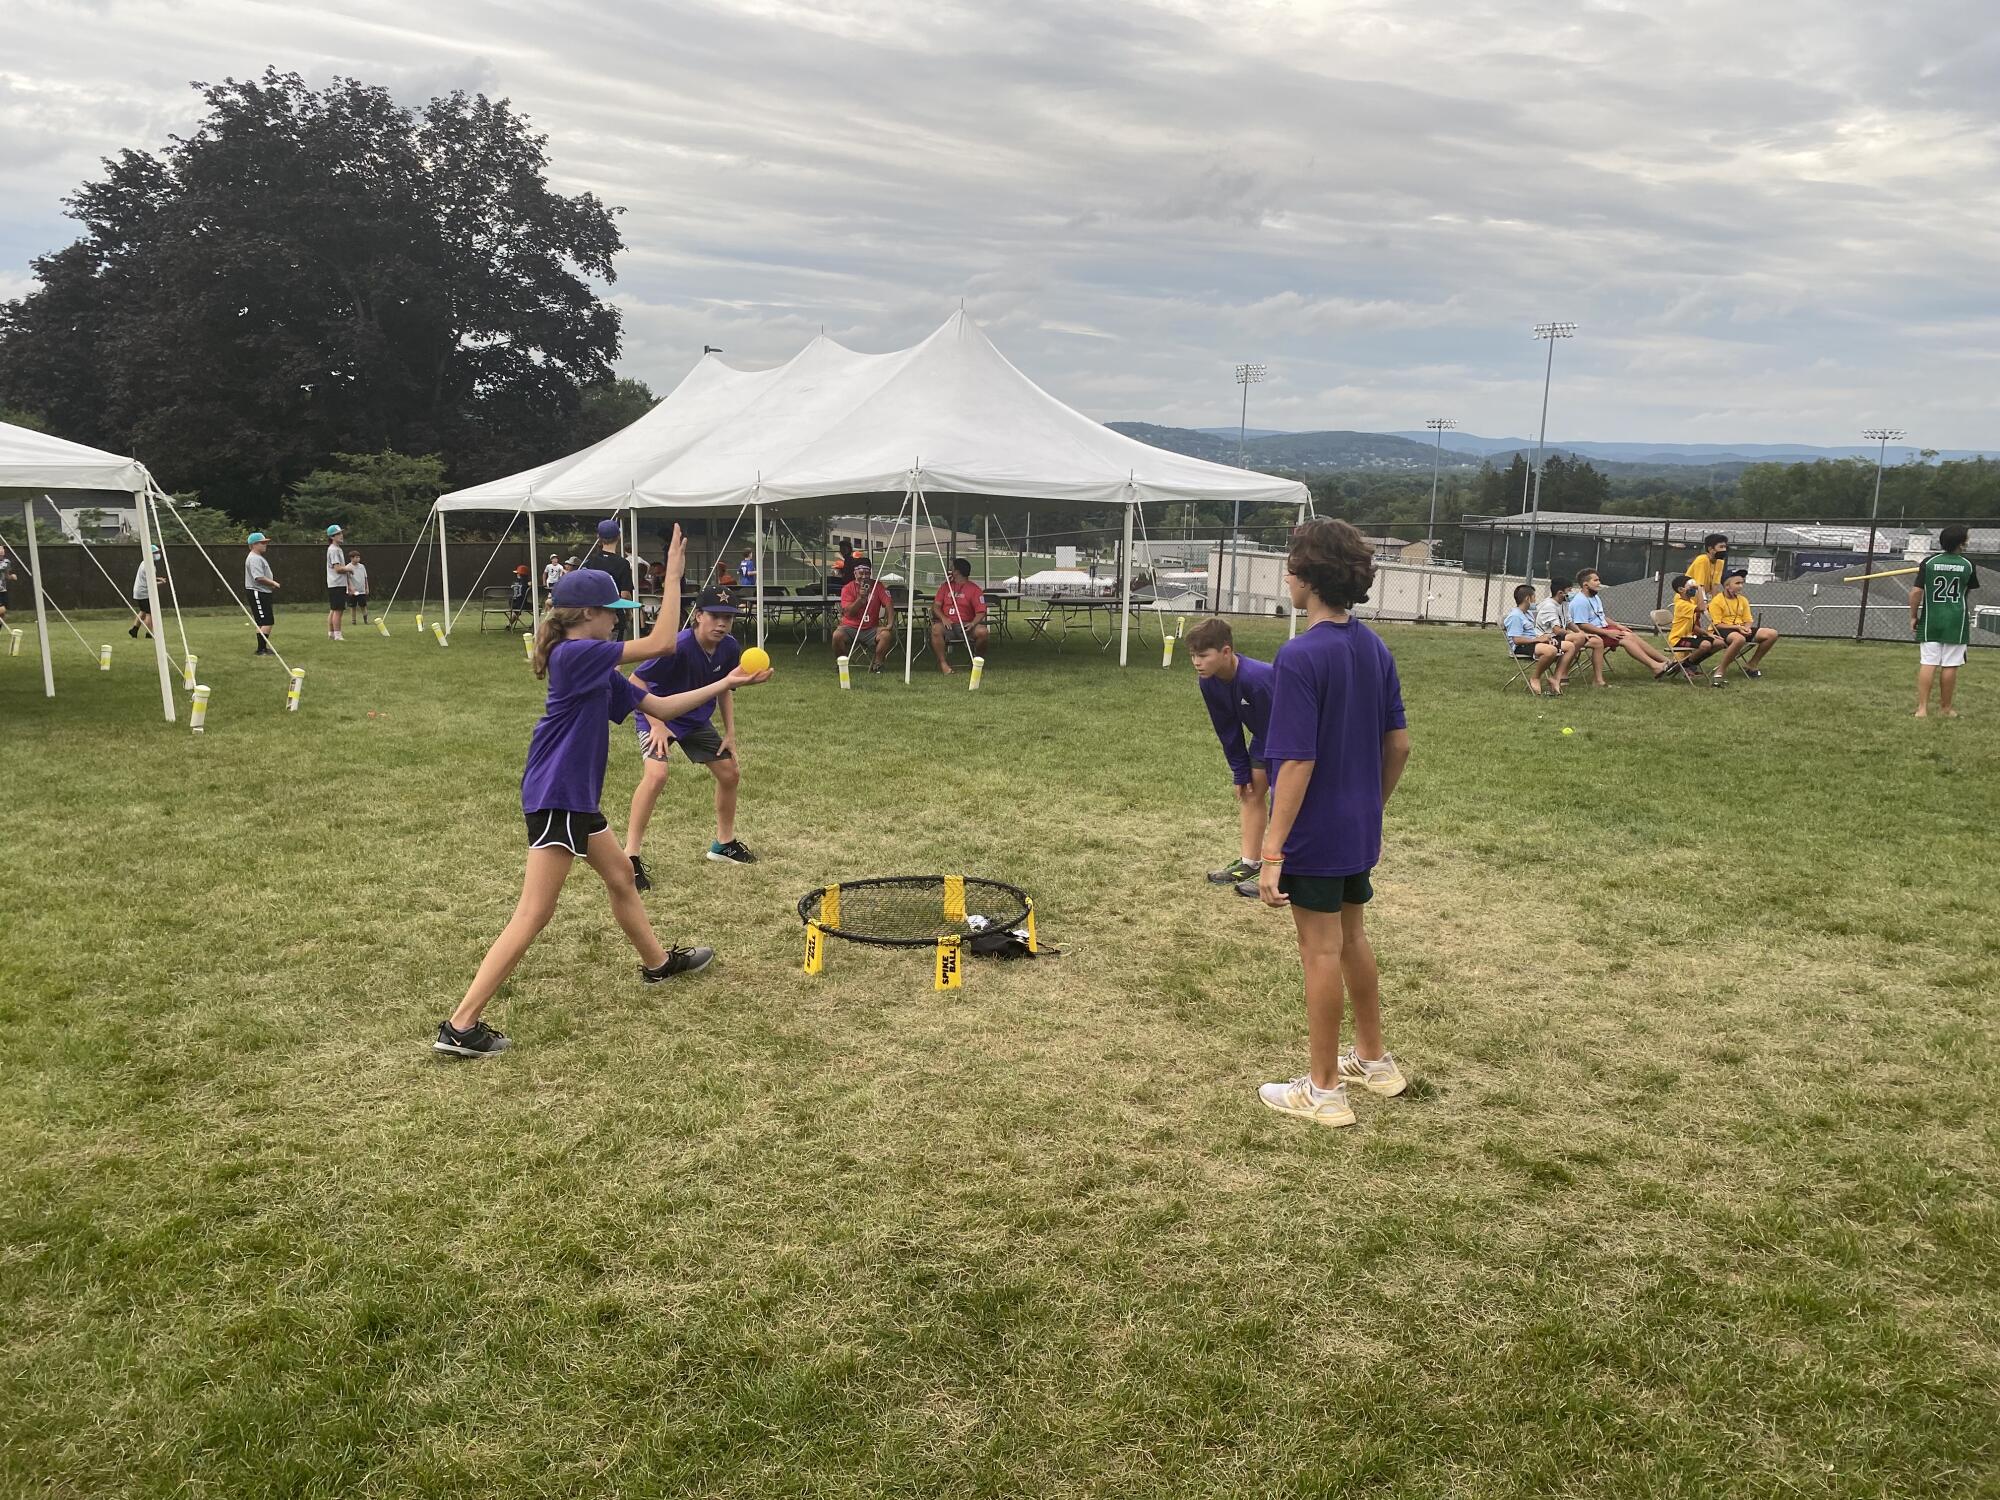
x=142, y=600
x=563, y=782
x=517, y=596
x=552, y=572
x=610, y=558
x=867, y=615
x=1236, y=690
x=746, y=571
x=336, y=584
x=6, y=580
x=1941, y=619
x=702, y=653
x=258, y=586
x=1338, y=745
x=959, y=614
x=357, y=588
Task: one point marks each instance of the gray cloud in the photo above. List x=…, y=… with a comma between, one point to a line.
x=1775, y=219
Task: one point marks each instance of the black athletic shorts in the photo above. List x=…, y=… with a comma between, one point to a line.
x=357, y=601
x=143, y=606
x=559, y=828
x=3, y=598
x=260, y=607
x=1523, y=651
x=336, y=596
x=701, y=744
x=1327, y=892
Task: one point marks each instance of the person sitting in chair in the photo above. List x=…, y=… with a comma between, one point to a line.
x=867, y=616
x=1552, y=619
x=1690, y=635
x=1587, y=614
x=1525, y=642
x=1729, y=615
x=960, y=614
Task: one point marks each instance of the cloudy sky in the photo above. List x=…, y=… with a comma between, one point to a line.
x=1774, y=220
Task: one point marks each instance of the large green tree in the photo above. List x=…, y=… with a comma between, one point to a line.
x=315, y=272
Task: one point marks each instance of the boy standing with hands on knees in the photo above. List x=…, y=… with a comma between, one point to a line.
x=1338, y=746
x=1237, y=693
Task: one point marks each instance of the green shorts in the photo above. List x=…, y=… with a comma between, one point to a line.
x=1327, y=892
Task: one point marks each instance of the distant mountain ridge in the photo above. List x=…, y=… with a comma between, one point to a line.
x=1269, y=447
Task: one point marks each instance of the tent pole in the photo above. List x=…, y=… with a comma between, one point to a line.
x=534, y=570
x=444, y=568
x=757, y=551
x=159, y=631
x=986, y=554
x=41, y=615
x=1125, y=585
x=1288, y=592
x=910, y=584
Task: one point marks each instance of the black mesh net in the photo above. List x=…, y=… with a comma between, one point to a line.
x=910, y=910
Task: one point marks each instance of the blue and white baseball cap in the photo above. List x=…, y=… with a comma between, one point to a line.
x=587, y=588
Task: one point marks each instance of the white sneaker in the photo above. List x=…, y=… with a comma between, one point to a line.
x=1299, y=1097
x=1378, y=1075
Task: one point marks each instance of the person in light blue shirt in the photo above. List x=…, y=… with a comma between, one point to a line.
x=1529, y=644
x=1587, y=614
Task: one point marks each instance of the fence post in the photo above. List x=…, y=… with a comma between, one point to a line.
x=1666, y=544
x=1486, y=583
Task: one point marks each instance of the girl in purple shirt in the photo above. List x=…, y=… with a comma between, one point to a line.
x=1337, y=746
x=564, y=778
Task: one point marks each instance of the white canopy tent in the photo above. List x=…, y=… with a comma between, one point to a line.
x=949, y=415
x=36, y=462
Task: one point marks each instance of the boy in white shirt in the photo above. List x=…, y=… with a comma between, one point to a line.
x=357, y=587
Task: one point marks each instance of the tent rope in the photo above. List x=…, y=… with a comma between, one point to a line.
x=422, y=532
x=471, y=593
x=87, y=552
x=223, y=578
x=49, y=599
x=1145, y=542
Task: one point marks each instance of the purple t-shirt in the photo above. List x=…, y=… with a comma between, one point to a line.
x=566, y=753
x=1335, y=697
x=689, y=668
x=1240, y=707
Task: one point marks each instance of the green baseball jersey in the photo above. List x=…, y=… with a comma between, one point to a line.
x=1945, y=579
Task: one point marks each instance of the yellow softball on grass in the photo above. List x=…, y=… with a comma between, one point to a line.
x=756, y=659
x=1568, y=730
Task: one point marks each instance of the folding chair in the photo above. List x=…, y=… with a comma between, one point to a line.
x=1522, y=666
x=1663, y=622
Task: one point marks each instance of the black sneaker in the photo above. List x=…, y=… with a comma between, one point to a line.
x=1243, y=869
x=477, y=1040
x=1249, y=888
x=639, y=876
x=133, y=632
x=733, y=851
x=679, y=961
x=1752, y=673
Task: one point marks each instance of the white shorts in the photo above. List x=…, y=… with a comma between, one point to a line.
x=1937, y=654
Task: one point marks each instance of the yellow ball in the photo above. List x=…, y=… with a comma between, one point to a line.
x=1569, y=731
x=756, y=659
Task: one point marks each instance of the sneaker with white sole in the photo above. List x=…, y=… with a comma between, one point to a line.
x=477, y=1040
x=734, y=852
x=1378, y=1075
x=1299, y=1097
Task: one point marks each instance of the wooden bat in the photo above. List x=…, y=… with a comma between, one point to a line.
x=1892, y=573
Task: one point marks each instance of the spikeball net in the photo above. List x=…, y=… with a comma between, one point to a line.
x=945, y=913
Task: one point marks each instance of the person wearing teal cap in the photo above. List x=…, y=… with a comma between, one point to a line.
x=259, y=585
x=336, y=583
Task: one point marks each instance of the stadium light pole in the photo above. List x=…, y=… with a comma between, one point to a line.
x=1549, y=332
x=1439, y=425
x=1246, y=376
x=1885, y=436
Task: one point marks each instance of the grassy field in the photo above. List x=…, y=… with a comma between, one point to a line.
x=1697, y=1195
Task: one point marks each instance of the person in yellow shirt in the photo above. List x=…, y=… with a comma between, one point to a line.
x=1690, y=636
x=1729, y=616
x=1707, y=567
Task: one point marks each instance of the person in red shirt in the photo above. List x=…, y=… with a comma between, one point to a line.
x=960, y=614
x=867, y=616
